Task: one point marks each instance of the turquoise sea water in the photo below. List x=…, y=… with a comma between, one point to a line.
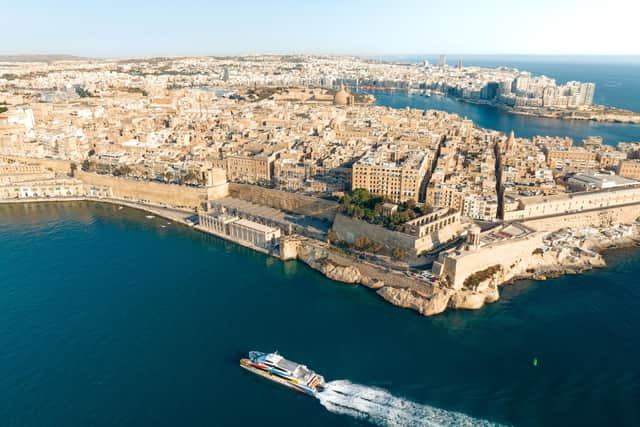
x=617, y=84
x=108, y=318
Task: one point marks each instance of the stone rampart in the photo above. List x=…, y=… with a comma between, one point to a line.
x=594, y=218
x=167, y=194
x=506, y=254
x=282, y=200
x=60, y=166
x=349, y=229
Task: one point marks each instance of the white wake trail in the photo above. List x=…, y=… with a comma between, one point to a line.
x=380, y=407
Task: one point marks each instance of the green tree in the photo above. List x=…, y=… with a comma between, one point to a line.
x=362, y=243
x=398, y=253
x=375, y=247
x=122, y=170
x=191, y=177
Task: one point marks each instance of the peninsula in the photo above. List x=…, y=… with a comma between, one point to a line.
x=278, y=155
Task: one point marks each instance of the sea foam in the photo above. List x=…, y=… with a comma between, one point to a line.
x=382, y=408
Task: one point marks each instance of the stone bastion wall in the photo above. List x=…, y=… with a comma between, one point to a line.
x=349, y=229
x=282, y=200
x=180, y=196
x=59, y=166
x=593, y=218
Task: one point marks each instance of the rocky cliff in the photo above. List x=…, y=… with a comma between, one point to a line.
x=427, y=303
x=433, y=298
x=317, y=258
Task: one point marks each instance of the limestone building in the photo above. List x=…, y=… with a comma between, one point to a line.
x=560, y=204
x=392, y=171
x=630, y=169
x=251, y=168
x=240, y=229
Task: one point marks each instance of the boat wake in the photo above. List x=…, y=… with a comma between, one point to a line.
x=380, y=407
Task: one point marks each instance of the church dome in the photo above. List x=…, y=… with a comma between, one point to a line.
x=341, y=97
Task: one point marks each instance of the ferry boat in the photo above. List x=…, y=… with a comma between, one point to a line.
x=274, y=367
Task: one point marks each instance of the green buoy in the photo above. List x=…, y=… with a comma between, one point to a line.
x=535, y=361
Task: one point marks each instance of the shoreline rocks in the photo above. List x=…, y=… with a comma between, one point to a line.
x=425, y=304
x=430, y=299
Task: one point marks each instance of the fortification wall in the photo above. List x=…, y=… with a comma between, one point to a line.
x=154, y=192
x=349, y=229
x=292, y=202
x=506, y=254
x=595, y=218
x=60, y=166
x=168, y=194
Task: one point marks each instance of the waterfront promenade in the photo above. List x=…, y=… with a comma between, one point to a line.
x=186, y=217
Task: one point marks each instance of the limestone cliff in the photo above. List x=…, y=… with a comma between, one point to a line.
x=433, y=298
x=426, y=303
x=317, y=258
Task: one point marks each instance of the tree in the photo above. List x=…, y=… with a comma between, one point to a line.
x=375, y=247
x=122, y=170
x=83, y=92
x=398, y=253
x=190, y=177
x=362, y=243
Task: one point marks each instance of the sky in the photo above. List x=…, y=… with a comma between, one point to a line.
x=117, y=28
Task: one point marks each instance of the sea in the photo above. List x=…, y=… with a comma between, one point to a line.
x=617, y=82
x=111, y=318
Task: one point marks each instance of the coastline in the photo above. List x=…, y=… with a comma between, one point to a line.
x=430, y=299
x=177, y=215
x=394, y=286
x=595, y=113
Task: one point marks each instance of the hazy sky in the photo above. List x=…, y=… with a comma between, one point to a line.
x=373, y=27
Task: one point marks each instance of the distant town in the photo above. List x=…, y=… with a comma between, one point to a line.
x=289, y=155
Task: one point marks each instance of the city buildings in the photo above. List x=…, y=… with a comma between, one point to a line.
x=301, y=125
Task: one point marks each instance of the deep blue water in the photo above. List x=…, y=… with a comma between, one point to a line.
x=617, y=84
x=106, y=318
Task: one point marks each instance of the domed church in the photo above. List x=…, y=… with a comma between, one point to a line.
x=343, y=97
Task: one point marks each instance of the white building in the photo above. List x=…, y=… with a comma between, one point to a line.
x=597, y=181
x=258, y=234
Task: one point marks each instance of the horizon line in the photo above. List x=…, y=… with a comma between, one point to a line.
x=360, y=55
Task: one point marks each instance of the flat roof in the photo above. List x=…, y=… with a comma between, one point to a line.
x=256, y=226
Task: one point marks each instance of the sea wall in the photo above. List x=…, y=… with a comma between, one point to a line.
x=594, y=218
x=349, y=229
x=282, y=200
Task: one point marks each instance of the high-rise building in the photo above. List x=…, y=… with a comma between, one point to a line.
x=589, y=92
x=442, y=60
